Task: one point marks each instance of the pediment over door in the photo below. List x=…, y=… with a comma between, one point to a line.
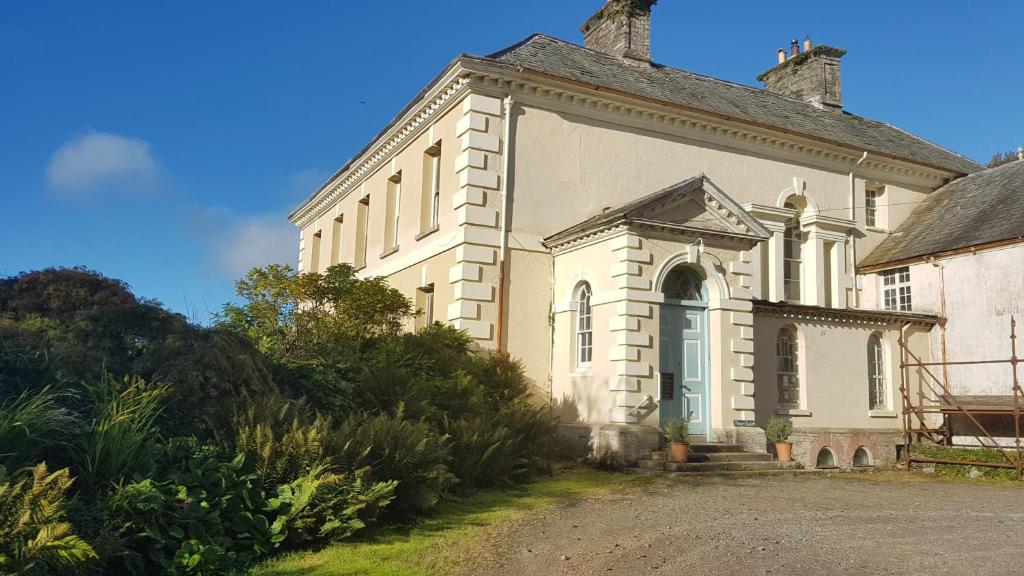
x=696, y=205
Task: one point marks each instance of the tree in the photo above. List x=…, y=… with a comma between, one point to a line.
x=305, y=316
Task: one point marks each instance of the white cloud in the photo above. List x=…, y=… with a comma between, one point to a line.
x=247, y=241
x=102, y=160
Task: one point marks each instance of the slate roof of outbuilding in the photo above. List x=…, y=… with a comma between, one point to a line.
x=745, y=103
x=984, y=207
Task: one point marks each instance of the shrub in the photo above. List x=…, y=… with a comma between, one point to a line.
x=34, y=538
x=30, y=424
x=778, y=429
x=397, y=449
x=676, y=430
x=121, y=436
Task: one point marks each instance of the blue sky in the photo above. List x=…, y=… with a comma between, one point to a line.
x=165, y=142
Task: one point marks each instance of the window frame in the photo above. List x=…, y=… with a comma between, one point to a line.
x=878, y=398
x=792, y=258
x=583, y=326
x=435, y=187
x=787, y=368
x=895, y=289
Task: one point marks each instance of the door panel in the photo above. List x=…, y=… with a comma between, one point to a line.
x=683, y=349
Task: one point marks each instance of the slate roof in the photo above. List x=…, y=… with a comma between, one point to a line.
x=986, y=206
x=634, y=210
x=559, y=58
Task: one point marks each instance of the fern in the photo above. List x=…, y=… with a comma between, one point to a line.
x=34, y=537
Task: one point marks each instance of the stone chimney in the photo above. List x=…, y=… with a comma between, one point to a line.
x=811, y=75
x=621, y=28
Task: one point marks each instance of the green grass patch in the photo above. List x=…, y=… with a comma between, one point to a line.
x=968, y=455
x=441, y=543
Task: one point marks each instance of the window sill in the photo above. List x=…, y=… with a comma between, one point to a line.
x=882, y=414
x=427, y=232
x=581, y=371
x=358, y=267
x=783, y=411
x=388, y=252
x=877, y=229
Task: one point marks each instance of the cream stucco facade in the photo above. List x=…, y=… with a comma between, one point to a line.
x=528, y=166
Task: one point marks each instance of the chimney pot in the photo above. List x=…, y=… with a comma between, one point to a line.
x=1020, y=153
x=782, y=55
x=813, y=78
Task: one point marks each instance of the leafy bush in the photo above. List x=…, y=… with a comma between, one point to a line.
x=30, y=424
x=34, y=538
x=778, y=429
x=676, y=430
x=397, y=449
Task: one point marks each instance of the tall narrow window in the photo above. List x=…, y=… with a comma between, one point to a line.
x=362, y=231
x=871, y=206
x=584, y=327
x=876, y=374
x=393, y=207
x=314, y=252
x=896, y=289
x=874, y=205
x=792, y=245
x=336, y=240
x=431, y=205
x=425, y=302
x=787, y=372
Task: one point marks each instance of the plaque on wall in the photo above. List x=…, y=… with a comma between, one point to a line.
x=668, y=385
x=743, y=423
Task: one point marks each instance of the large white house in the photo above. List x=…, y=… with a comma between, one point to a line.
x=654, y=243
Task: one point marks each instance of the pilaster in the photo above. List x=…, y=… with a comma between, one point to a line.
x=477, y=205
x=630, y=325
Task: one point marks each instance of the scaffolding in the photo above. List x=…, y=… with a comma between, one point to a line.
x=931, y=415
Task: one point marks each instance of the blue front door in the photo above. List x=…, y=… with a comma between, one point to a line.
x=683, y=351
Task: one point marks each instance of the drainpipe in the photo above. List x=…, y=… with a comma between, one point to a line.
x=503, y=248
x=942, y=315
x=853, y=241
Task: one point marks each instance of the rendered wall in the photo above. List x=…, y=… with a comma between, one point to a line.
x=833, y=373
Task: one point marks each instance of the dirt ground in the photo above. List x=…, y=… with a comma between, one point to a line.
x=791, y=525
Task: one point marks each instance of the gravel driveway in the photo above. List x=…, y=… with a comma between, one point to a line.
x=810, y=525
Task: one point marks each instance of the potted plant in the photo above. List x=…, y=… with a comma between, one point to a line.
x=676, y=433
x=778, y=430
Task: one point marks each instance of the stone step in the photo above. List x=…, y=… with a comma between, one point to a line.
x=729, y=457
x=707, y=447
x=660, y=456
x=651, y=464
x=729, y=466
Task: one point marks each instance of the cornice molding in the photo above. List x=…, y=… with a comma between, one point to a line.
x=560, y=93
x=468, y=74
x=418, y=119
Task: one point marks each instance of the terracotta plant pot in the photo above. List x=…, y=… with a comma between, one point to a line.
x=784, y=451
x=678, y=451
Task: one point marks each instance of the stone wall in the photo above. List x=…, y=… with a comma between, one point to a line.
x=881, y=445
x=630, y=442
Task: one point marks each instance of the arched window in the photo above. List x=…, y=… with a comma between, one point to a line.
x=584, y=326
x=876, y=374
x=792, y=244
x=683, y=283
x=787, y=368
